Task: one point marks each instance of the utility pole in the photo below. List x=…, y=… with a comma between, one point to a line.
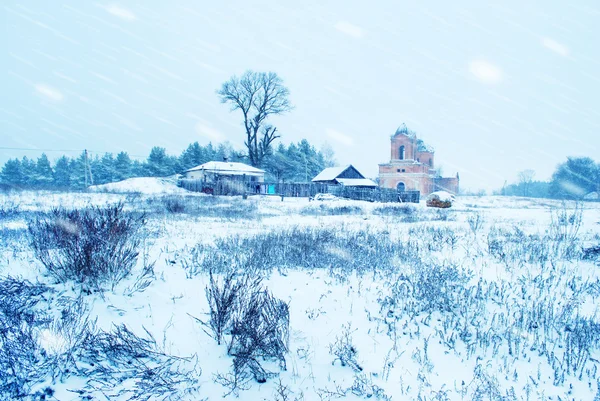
x=88, y=170
x=85, y=167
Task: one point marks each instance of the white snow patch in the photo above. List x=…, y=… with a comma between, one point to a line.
x=485, y=72
x=120, y=12
x=49, y=92
x=144, y=185
x=52, y=342
x=556, y=47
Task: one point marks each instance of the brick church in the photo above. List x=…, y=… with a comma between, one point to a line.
x=411, y=167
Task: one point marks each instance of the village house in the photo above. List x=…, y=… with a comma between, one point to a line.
x=348, y=176
x=213, y=171
x=412, y=167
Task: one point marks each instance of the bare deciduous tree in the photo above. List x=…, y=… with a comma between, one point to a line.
x=258, y=95
x=525, y=180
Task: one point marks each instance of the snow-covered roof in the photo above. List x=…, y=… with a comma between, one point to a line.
x=356, y=182
x=230, y=168
x=330, y=173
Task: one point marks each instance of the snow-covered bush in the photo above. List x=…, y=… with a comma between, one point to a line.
x=260, y=329
x=174, y=204
x=325, y=209
x=223, y=298
x=35, y=345
x=344, y=350
x=592, y=253
x=349, y=250
x=95, y=246
x=435, y=238
x=229, y=208
x=407, y=213
x=40, y=348
x=475, y=221
x=9, y=210
x=257, y=324
x=20, y=352
x=564, y=229
x=119, y=362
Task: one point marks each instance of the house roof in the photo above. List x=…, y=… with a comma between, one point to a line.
x=356, y=182
x=330, y=173
x=231, y=168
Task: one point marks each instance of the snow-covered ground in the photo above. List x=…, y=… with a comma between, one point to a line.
x=488, y=300
x=142, y=185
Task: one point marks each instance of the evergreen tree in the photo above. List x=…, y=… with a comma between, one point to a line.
x=139, y=169
x=193, y=156
x=123, y=168
x=28, y=168
x=299, y=162
x=210, y=153
x=43, y=172
x=77, y=169
x=62, y=173
x=225, y=152
x=277, y=166
x=12, y=173
x=104, y=169
x=159, y=164
x=174, y=165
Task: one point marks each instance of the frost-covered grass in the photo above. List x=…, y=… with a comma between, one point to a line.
x=494, y=299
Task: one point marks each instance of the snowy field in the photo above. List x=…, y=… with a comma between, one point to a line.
x=493, y=299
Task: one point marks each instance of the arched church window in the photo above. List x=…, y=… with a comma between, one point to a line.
x=401, y=153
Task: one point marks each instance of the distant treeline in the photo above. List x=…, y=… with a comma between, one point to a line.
x=573, y=179
x=292, y=163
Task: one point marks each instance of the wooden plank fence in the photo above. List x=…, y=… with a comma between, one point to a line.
x=295, y=190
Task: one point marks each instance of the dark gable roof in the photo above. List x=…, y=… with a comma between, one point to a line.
x=331, y=173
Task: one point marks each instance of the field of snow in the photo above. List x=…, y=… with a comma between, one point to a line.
x=493, y=299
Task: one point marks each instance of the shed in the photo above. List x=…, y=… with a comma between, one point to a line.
x=348, y=176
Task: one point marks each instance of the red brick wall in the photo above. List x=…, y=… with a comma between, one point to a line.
x=448, y=184
x=409, y=147
x=411, y=182
x=425, y=158
x=413, y=168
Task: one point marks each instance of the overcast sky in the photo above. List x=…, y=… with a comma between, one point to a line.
x=495, y=89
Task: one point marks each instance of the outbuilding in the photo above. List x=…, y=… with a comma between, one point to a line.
x=347, y=176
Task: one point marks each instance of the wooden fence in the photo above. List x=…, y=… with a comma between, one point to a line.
x=299, y=190
x=375, y=194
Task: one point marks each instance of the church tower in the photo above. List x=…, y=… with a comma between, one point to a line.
x=411, y=166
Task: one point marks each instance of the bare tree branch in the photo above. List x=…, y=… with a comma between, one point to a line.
x=258, y=95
